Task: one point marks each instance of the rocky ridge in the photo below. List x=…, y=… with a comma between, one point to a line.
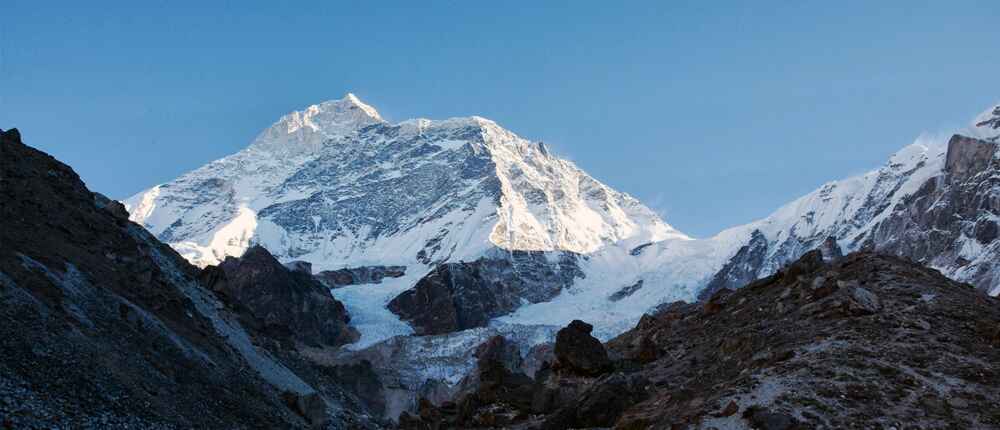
x=863, y=341
x=282, y=304
x=103, y=326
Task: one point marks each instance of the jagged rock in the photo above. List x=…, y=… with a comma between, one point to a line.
x=300, y=266
x=625, y=291
x=459, y=296
x=359, y=275
x=103, y=326
x=967, y=156
x=280, y=303
x=600, y=405
x=577, y=351
x=114, y=207
x=741, y=269
x=497, y=351
x=865, y=302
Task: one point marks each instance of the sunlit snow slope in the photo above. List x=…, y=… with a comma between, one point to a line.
x=339, y=186
x=889, y=208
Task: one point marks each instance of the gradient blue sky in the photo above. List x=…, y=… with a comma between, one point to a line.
x=713, y=113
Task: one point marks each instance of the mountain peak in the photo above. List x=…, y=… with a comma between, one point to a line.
x=307, y=129
x=351, y=102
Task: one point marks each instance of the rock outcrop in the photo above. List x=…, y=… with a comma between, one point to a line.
x=578, y=352
x=359, y=275
x=282, y=304
x=967, y=157
x=459, y=296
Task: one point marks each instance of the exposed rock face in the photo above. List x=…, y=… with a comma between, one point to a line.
x=967, y=157
x=458, y=296
x=951, y=222
x=102, y=326
x=281, y=303
x=626, y=291
x=742, y=269
x=578, y=352
x=864, y=341
x=359, y=275
x=939, y=209
x=300, y=266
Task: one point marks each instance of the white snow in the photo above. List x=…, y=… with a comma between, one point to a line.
x=366, y=303
x=328, y=152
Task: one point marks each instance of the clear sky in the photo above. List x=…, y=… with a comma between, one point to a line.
x=714, y=113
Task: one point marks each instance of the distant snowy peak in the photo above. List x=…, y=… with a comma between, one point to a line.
x=307, y=129
x=336, y=185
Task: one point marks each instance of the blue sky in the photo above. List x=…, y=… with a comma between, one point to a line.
x=714, y=113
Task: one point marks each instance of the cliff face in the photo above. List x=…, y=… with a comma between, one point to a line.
x=284, y=304
x=459, y=296
x=948, y=221
x=951, y=222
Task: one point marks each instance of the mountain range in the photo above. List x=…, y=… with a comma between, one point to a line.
x=339, y=187
x=345, y=272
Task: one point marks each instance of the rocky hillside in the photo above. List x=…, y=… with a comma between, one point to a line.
x=863, y=341
x=103, y=326
x=283, y=304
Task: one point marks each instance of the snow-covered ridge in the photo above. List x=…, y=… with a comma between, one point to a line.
x=869, y=209
x=336, y=185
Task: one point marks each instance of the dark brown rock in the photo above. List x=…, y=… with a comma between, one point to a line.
x=103, y=326
x=280, y=303
x=459, y=296
x=578, y=352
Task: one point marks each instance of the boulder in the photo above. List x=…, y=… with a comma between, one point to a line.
x=285, y=305
x=578, y=352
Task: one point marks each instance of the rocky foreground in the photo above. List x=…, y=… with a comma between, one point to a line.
x=103, y=326
x=866, y=341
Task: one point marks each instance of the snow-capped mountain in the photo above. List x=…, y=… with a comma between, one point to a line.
x=337, y=185
x=936, y=201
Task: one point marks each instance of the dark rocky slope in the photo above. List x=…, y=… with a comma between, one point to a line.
x=459, y=296
x=864, y=341
x=102, y=326
x=359, y=275
x=287, y=305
